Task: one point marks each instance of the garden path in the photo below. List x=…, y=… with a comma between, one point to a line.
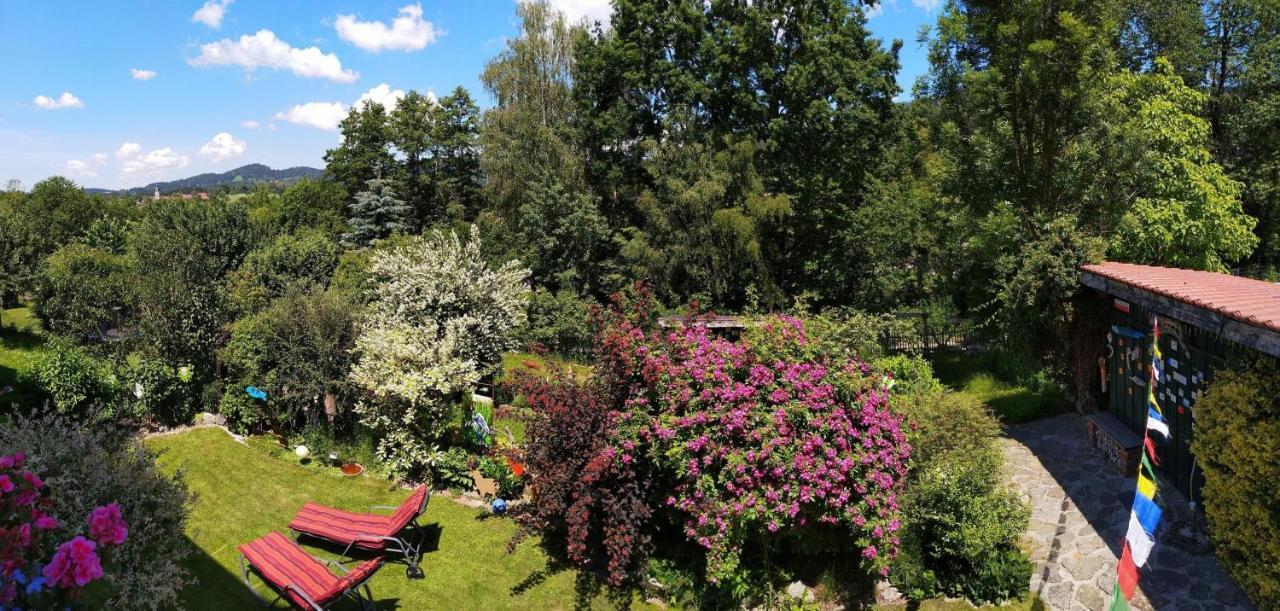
x=1079, y=513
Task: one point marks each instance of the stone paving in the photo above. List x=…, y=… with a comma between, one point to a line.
x=1080, y=507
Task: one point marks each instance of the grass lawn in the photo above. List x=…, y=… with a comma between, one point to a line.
x=243, y=492
x=972, y=374
x=20, y=342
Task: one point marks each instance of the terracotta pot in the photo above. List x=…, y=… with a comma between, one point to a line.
x=352, y=469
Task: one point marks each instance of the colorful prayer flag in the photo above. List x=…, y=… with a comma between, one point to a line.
x=1138, y=541
x=1127, y=574
x=1156, y=422
x=1146, y=486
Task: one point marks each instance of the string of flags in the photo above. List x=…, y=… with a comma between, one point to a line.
x=1145, y=516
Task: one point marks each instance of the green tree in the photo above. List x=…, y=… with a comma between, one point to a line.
x=1182, y=209
x=82, y=289
x=804, y=80
x=299, y=350
x=365, y=151
x=183, y=251
x=376, y=214
x=528, y=136
x=302, y=261
x=564, y=237
x=439, y=142
x=309, y=203
x=703, y=222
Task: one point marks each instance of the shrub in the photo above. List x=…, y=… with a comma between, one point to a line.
x=88, y=467
x=448, y=469
x=594, y=510
x=303, y=261
x=76, y=382
x=510, y=486
x=961, y=526
x=440, y=318
x=912, y=375
x=158, y=392
x=33, y=574
x=557, y=322
x=1236, y=443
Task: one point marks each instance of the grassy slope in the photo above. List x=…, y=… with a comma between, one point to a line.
x=243, y=493
x=971, y=374
x=20, y=341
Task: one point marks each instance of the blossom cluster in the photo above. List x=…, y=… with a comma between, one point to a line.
x=758, y=446
x=26, y=530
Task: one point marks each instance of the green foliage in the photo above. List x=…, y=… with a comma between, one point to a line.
x=83, y=288
x=183, y=251
x=441, y=167
x=90, y=466
x=312, y=204
x=76, y=383
x=376, y=214
x=298, y=350
x=1186, y=211
x=912, y=375
x=156, y=391
x=58, y=211
x=962, y=529
x=528, y=136
x=365, y=150
x=564, y=237
x=849, y=332
x=559, y=322
x=301, y=261
x=961, y=525
x=1236, y=443
x=448, y=469
x=703, y=224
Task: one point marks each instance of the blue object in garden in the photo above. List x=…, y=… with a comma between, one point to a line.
x=256, y=393
x=499, y=506
x=479, y=430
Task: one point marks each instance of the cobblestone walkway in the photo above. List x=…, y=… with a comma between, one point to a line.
x=1080, y=508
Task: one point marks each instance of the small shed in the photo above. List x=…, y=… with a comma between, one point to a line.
x=1208, y=321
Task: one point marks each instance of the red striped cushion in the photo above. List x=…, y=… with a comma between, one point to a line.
x=344, y=526
x=281, y=562
x=359, y=573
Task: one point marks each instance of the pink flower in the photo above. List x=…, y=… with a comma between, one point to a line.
x=46, y=523
x=33, y=479
x=74, y=565
x=106, y=526
x=6, y=485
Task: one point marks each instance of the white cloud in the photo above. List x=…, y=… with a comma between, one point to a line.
x=154, y=161
x=211, y=13
x=250, y=124
x=382, y=94
x=140, y=74
x=99, y=158
x=578, y=10
x=76, y=167
x=127, y=150
x=927, y=5
x=407, y=32
x=222, y=147
x=320, y=115
x=66, y=100
x=874, y=11
x=264, y=50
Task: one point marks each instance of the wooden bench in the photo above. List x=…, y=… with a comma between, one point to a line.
x=1119, y=445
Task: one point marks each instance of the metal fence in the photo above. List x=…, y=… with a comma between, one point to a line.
x=920, y=334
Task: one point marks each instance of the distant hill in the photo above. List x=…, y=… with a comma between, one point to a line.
x=241, y=177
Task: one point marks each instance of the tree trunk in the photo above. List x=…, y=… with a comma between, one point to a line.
x=330, y=407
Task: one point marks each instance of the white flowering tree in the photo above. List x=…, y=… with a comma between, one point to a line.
x=440, y=318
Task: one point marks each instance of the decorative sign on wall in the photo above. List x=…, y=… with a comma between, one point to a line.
x=1145, y=516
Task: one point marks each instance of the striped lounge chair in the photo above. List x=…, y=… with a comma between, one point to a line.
x=368, y=531
x=302, y=578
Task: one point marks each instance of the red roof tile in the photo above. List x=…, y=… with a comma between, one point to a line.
x=1249, y=301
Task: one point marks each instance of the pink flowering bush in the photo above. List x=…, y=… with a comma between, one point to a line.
x=29, y=575
x=757, y=447
x=744, y=445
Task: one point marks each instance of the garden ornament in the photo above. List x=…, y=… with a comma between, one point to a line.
x=302, y=452
x=256, y=393
x=499, y=506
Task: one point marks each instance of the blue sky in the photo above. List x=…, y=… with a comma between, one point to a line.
x=120, y=94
